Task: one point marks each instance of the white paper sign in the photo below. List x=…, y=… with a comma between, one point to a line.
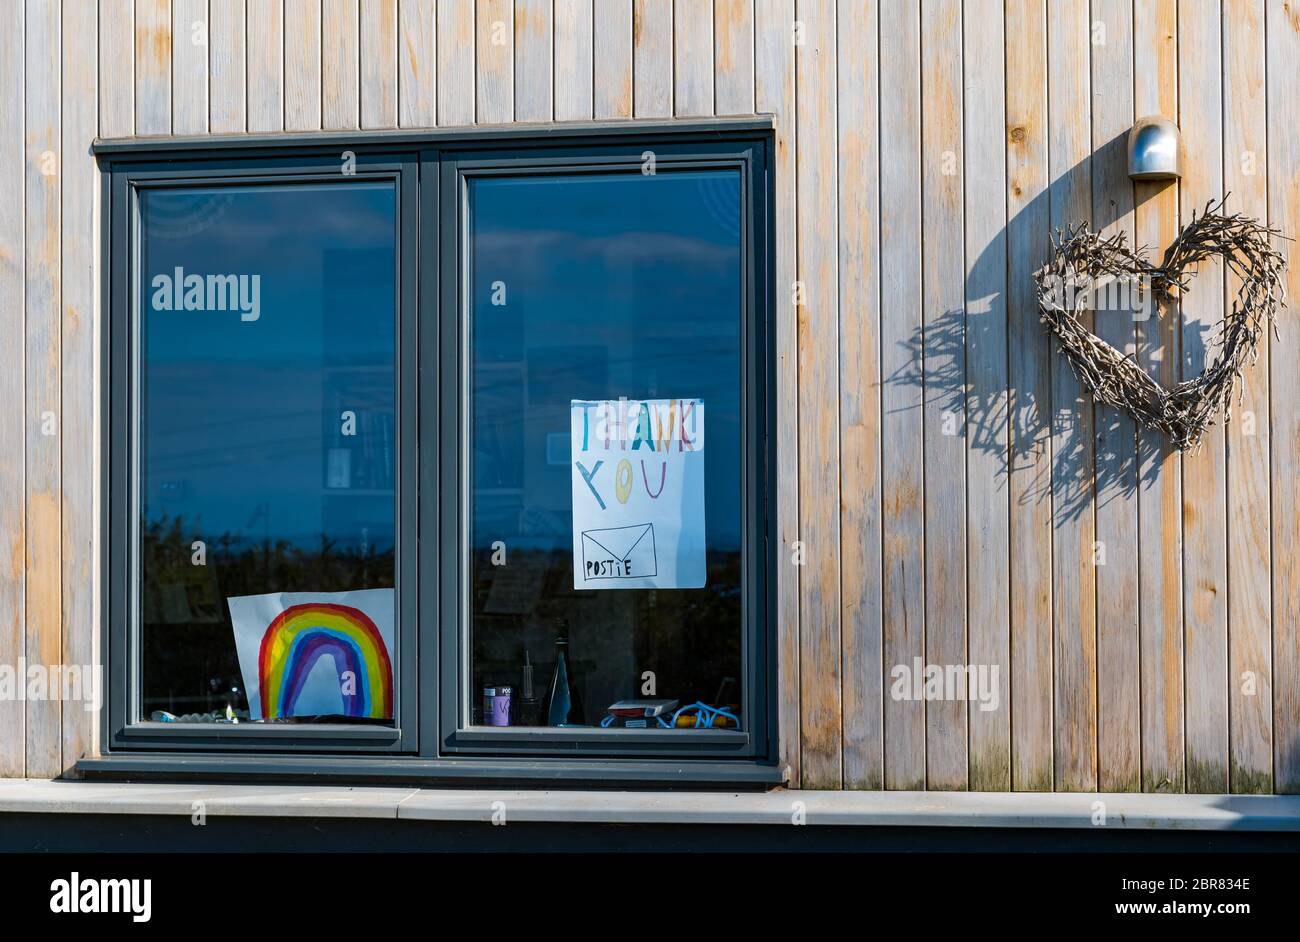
x=638, y=493
x=326, y=653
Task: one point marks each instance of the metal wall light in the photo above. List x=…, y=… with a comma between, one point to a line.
x=1155, y=149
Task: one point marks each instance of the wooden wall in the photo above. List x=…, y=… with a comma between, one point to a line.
x=946, y=493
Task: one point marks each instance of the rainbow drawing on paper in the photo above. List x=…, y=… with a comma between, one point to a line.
x=301, y=635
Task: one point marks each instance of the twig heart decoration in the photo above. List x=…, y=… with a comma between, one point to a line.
x=1083, y=263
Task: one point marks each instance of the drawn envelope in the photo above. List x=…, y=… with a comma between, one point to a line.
x=619, y=553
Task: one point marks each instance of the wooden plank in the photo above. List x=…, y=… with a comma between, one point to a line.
x=943, y=277
x=1205, y=538
x=902, y=448
x=1073, y=521
x=612, y=58
x=988, y=510
x=819, y=452
x=1119, y=718
x=190, y=66
x=774, y=81
x=302, y=65
x=417, y=70
x=13, y=540
x=455, y=62
x=1029, y=368
x=153, y=67
x=1283, y=30
x=227, y=109
x=534, y=57
x=1250, y=655
x=42, y=88
x=859, y=261
x=378, y=28
x=652, y=57
x=733, y=56
x=574, y=79
x=116, y=68
x=78, y=372
x=494, y=66
x=1160, y=536
x=340, y=65
x=266, y=66
x=692, y=57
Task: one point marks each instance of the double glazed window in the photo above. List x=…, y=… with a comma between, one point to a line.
x=437, y=447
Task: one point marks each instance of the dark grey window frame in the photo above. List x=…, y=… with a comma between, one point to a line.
x=429, y=741
x=749, y=158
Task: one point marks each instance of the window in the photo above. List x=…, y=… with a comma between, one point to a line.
x=267, y=449
x=442, y=446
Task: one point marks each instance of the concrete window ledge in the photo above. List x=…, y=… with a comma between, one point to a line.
x=780, y=807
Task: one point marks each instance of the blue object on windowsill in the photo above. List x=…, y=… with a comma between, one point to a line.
x=704, y=718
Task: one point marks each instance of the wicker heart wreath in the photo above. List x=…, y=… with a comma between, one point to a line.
x=1083, y=263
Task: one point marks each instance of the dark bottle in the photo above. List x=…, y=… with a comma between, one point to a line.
x=563, y=706
x=529, y=712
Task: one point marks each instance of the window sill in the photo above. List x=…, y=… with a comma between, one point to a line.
x=1141, y=812
x=653, y=773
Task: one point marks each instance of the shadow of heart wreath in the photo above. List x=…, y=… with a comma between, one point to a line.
x=1083, y=262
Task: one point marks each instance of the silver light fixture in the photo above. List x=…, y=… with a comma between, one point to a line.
x=1154, y=149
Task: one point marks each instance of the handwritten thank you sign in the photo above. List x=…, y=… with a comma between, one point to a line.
x=638, y=493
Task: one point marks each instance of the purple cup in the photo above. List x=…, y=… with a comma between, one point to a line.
x=496, y=705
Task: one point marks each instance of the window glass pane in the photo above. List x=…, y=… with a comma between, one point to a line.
x=605, y=458
x=266, y=456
